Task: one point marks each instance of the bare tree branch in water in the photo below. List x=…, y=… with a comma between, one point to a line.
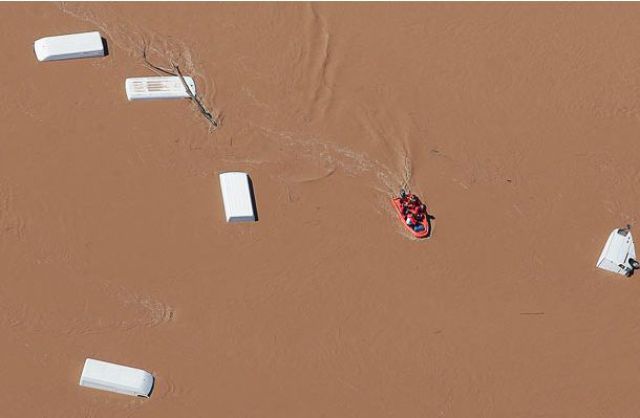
x=155, y=68
x=205, y=112
x=175, y=71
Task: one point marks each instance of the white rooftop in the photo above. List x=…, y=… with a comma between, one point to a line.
x=149, y=88
x=64, y=47
x=619, y=253
x=111, y=377
x=236, y=197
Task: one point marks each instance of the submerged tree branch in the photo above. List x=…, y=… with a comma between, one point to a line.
x=205, y=112
x=175, y=71
x=155, y=68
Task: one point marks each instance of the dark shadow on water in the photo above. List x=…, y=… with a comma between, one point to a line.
x=429, y=219
x=105, y=46
x=253, y=199
x=153, y=385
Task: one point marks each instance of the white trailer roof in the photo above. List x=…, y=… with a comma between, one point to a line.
x=148, y=88
x=236, y=197
x=617, y=252
x=64, y=47
x=111, y=377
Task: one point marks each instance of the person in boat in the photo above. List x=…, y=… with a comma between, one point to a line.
x=413, y=222
x=415, y=206
x=404, y=205
x=414, y=202
x=407, y=200
x=404, y=199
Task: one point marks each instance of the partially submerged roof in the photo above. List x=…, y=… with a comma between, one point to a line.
x=148, y=88
x=111, y=377
x=64, y=47
x=618, y=254
x=236, y=197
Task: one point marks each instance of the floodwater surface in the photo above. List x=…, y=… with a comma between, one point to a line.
x=517, y=124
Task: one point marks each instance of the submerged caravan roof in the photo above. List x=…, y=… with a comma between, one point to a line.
x=148, y=88
x=64, y=47
x=619, y=253
x=111, y=377
x=236, y=197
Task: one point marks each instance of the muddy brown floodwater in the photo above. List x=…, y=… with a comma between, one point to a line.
x=518, y=124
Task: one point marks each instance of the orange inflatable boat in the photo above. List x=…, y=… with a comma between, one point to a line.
x=409, y=203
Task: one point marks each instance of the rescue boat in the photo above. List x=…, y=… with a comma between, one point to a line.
x=425, y=221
